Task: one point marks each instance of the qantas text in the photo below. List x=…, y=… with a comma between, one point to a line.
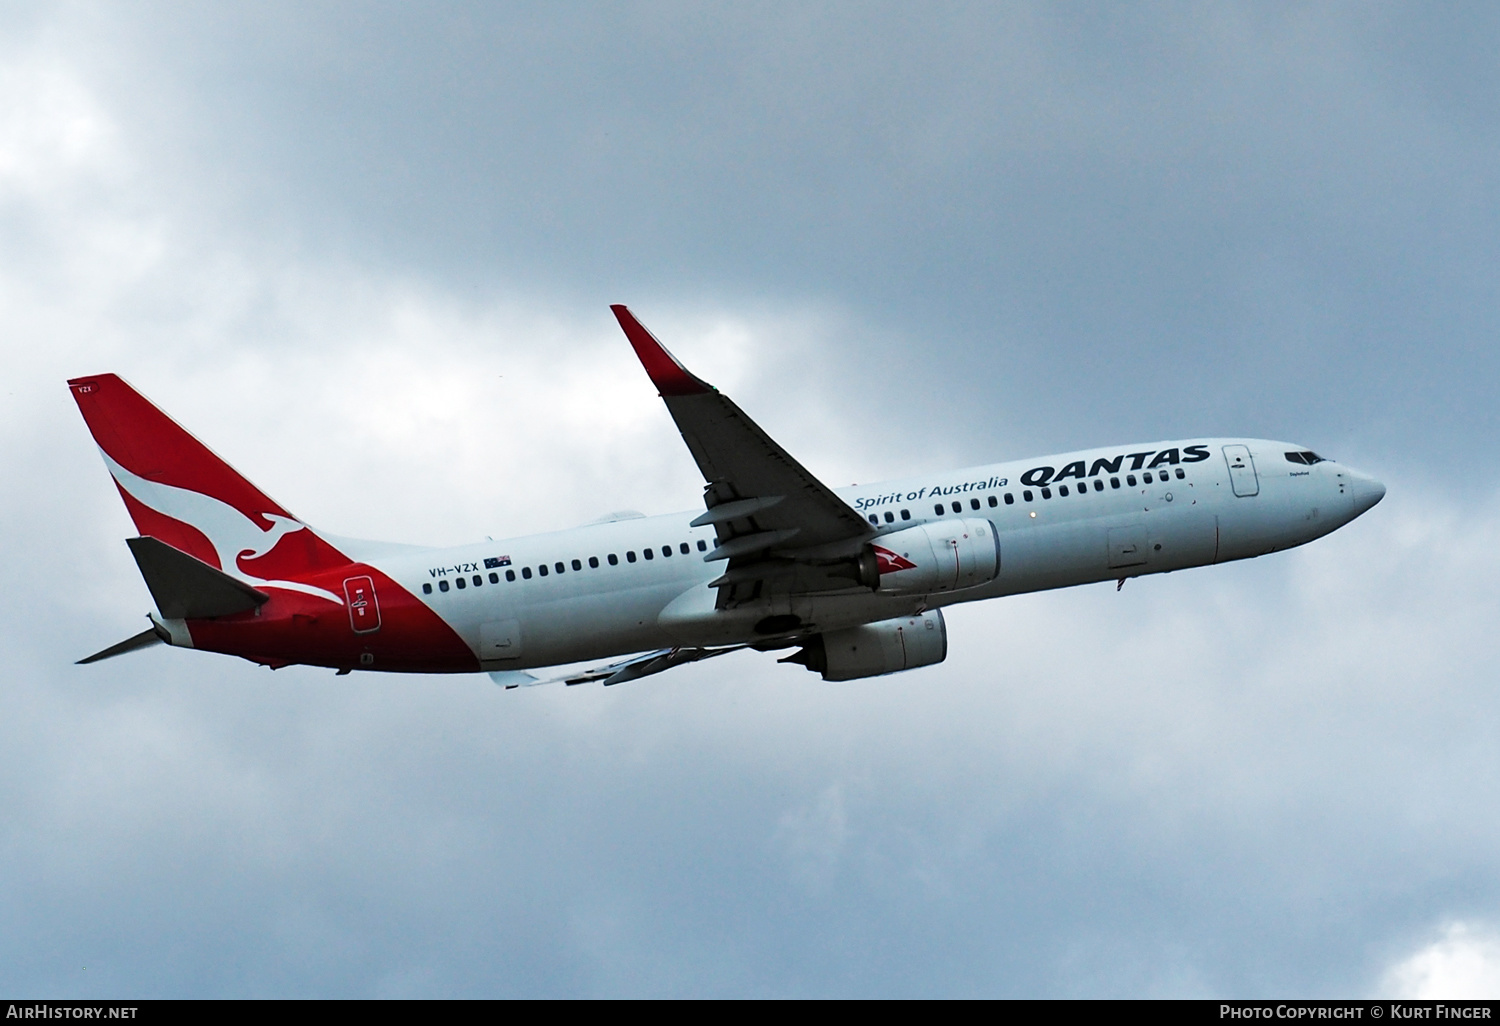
x=1036, y=477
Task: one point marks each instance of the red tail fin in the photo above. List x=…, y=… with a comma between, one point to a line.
x=179, y=492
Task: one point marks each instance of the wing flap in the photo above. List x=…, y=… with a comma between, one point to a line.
x=648, y=664
x=741, y=463
x=633, y=668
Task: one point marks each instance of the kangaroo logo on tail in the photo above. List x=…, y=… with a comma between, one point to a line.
x=234, y=535
x=180, y=493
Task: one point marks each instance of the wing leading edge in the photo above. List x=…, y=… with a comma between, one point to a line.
x=779, y=527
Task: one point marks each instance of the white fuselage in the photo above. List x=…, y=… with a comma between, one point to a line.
x=1077, y=518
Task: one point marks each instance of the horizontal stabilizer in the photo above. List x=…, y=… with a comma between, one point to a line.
x=186, y=588
x=145, y=639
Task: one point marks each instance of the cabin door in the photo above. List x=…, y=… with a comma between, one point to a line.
x=364, y=611
x=1242, y=476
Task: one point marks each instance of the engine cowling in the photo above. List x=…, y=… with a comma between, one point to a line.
x=888, y=646
x=943, y=556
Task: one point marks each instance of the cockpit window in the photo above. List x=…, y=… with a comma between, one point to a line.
x=1305, y=458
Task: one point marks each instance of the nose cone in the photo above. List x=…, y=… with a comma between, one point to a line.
x=1366, y=491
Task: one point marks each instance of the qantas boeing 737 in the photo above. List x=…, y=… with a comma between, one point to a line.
x=851, y=581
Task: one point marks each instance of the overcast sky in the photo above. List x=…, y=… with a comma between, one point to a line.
x=366, y=253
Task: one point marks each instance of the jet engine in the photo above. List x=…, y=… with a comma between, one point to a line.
x=943, y=556
x=889, y=646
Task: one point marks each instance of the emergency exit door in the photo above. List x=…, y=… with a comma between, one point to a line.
x=1242, y=476
x=364, y=611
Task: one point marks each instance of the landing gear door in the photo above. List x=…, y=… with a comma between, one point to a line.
x=364, y=610
x=1242, y=476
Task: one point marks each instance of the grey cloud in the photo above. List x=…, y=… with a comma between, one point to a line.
x=1257, y=219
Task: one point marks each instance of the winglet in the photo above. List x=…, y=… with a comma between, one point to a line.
x=668, y=375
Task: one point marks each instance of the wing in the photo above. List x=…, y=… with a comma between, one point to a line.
x=631, y=668
x=779, y=527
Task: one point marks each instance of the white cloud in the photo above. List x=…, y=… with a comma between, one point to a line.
x=51, y=128
x=1462, y=964
x=373, y=404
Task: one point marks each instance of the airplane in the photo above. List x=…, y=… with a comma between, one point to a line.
x=851, y=582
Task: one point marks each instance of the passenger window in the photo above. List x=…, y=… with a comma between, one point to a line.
x=973, y=503
x=1180, y=474
x=1046, y=493
x=994, y=502
x=1010, y=500
x=462, y=584
x=1130, y=480
x=874, y=519
x=683, y=548
x=494, y=577
x=593, y=562
x=702, y=545
x=630, y=556
x=958, y=507
x=526, y=572
x=510, y=575
x=1026, y=495
x=427, y=589
x=666, y=550
x=442, y=585
x=577, y=565
x=890, y=517
x=1098, y=485
x=614, y=560
x=1062, y=489
x=906, y=514
x=559, y=567
x=1146, y=477
x=649, y=553
x=478, y=581
x=1114, y=482
x=937, y=508
x=541, y=569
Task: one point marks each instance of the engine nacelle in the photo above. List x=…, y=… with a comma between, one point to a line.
x=889, y=646
x=943, y=556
